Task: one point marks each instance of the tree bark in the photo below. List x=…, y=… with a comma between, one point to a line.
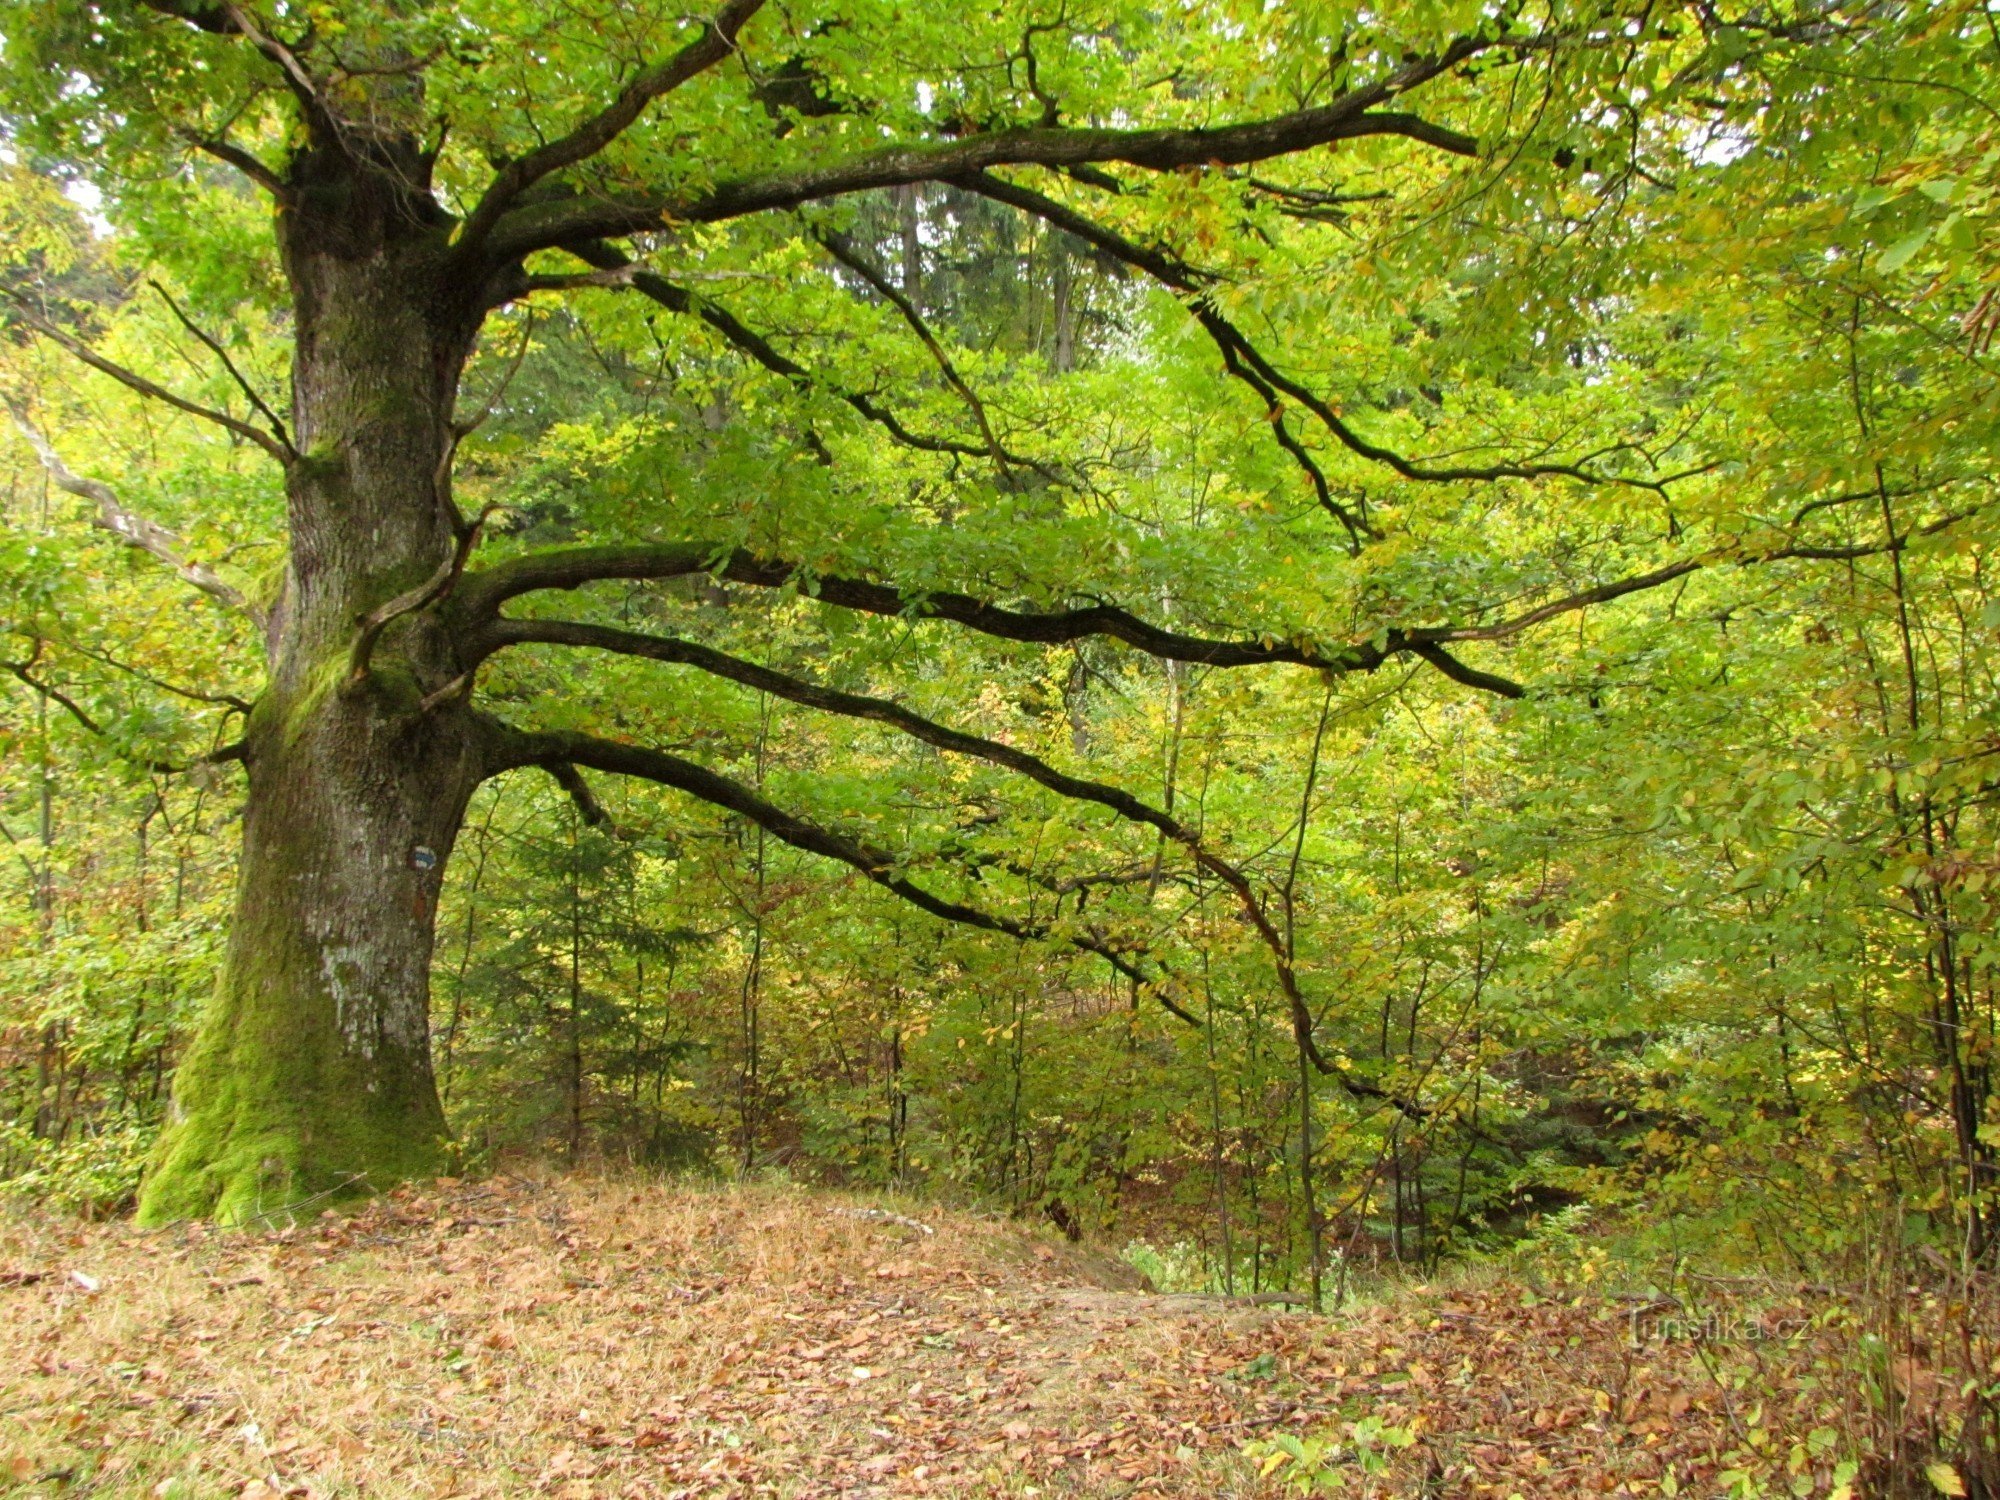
x=311, y=1070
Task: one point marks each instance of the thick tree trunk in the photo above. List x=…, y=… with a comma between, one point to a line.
x=311, y=1070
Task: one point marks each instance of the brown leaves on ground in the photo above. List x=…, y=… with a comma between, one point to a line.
x=596, y=1339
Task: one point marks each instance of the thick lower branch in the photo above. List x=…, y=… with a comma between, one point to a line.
x=881, y=711
x=483, y=593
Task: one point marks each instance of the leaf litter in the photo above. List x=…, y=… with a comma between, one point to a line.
x=581, y=1339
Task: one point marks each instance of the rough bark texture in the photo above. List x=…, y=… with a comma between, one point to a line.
x=311, y=1071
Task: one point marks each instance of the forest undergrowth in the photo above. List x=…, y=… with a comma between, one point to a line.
x=592, y=1336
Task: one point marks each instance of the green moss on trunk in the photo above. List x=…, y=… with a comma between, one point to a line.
x=310, y=1074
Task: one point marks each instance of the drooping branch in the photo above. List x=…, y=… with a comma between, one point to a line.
x=132, y=528
x=1194, y=285
x=555, y=750
x=282, y=452
x=716, y=40
x=1357, y=113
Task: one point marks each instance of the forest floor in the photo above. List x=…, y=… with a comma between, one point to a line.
x=589, y=1338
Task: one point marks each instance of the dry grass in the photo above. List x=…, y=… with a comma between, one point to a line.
x=594, y=1338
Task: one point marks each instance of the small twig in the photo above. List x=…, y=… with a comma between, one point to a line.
x=24, y=673
x=466, y=429
x=883, y=1216
x=225, y=150
x=843, y=251
x=277, y=425
x=291, y=1210
x=193, y=695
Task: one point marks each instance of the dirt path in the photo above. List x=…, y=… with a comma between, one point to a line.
x=587, y=1340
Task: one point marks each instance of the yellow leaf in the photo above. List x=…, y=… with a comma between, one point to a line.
x=1944, y=1479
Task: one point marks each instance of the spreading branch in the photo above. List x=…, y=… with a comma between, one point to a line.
x=1356, y=114
x=1639, y=583
x=504, y=633
x=1134, y=809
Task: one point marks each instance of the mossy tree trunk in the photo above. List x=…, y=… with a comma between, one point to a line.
x=311, y=1070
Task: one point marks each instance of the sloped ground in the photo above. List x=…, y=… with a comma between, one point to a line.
x=593, y=1339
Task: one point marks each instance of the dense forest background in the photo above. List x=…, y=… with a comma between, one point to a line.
x=1692, y=936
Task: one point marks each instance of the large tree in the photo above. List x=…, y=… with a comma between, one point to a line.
x=429, y=165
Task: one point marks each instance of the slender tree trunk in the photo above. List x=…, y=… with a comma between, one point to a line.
x=311, y=1070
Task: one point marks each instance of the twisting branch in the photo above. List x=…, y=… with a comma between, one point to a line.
x=842, y=250
x=433, y=589
x=26, y=313
x=551, y=749
x=277, y=424
x=715, y=42
x=132, y=528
